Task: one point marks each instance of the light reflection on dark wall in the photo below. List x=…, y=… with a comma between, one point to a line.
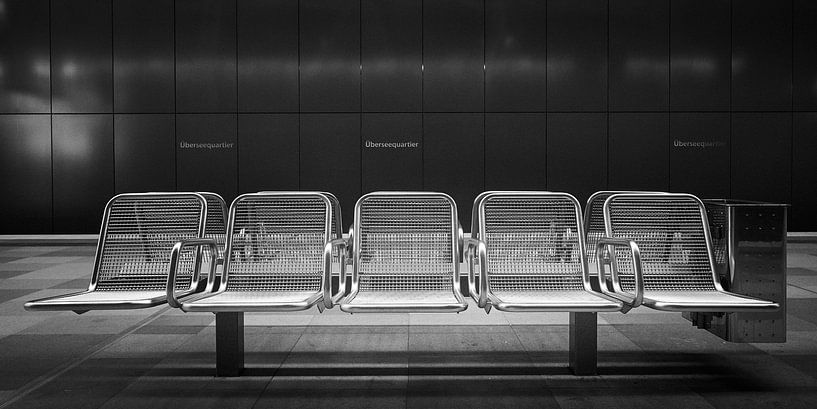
x=25, y=84
x=500, y=94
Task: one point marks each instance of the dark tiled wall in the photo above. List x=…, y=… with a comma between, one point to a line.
x=96, y=97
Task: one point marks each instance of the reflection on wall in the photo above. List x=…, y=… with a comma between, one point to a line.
x=104, y=96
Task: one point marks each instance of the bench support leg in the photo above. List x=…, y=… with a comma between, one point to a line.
x=583, y=343
x=229, y=343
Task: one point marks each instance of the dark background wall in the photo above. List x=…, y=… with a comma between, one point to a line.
x=97, y=95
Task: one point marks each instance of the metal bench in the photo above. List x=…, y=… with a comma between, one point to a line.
x=676, y=267
x=133, y=255
x=405, y=249
x=530, y=248
x=279, y=255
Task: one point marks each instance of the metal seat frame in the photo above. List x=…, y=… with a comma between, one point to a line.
x=216, y=227
x=455, y=303
x=683, y=299
x=94, y=299
x=542, y=300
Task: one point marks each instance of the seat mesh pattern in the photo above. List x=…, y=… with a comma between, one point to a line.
x=533, y=244
x=669, y=232
x=595, y=225
x=216, y=227
x=406, y=244
x=277, y=244
x=141, y=231
x=337, y=232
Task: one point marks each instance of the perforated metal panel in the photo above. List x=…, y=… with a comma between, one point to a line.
x=533, y=243
x=216, y=227
x=277, y=242
x=594, y=223
x=337, y=221
x=138, y=234
x=670, y=233
x=405, y=243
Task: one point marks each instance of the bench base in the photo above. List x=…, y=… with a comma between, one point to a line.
x=583, y=343
x=229, y=343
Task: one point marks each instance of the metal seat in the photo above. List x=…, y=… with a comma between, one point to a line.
x=279, y=248
x=677, y=271
x=405, y=248
x=133, y=255
x=530, y=247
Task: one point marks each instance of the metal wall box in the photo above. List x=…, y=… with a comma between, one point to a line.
x=749, y=248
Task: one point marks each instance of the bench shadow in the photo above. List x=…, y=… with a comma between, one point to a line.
x=616, y=369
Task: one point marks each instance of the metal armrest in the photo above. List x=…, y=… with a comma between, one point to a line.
x=634, y=300
x=175, y=253
x=328, y=299
x=479, y=295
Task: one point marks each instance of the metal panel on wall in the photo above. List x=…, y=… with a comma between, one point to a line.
x=515, y=56
x=330, y=161
x=639, y=55
x=25, y=84
x=453, y=56
x=267, y=56
x=761, y=55
x=761, y=156
x=205, y=56
x=577, y=154
x=392, y=152
x=577, y=55
x=805, y=59
x=81, y=80
x=804, y=169
x=700, y=55
x=25, y=163
x=391, y=55
x=515, y=151
x=453, y=158
x=83, y=171
x=330, y=55
x=206, y=154
x=143, y=69
x=144, y=153
x=268, y=152
x=639, y=151
x=699, y=154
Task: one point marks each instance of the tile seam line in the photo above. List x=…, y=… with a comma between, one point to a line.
x=43, y=380
x=280, y=365
x=801, y=288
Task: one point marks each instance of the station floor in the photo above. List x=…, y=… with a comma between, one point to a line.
x=159, y=357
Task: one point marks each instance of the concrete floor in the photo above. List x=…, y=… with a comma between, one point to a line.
x=164, y=358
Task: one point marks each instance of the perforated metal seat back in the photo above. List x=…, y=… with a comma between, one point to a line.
x=533, y=242
x=216, y=227
x=276, y=242
x=670, y=232
x=405, y=242
x=594, y=223
x=139, y=231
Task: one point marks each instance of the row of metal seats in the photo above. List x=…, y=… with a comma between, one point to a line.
x=528, y=251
